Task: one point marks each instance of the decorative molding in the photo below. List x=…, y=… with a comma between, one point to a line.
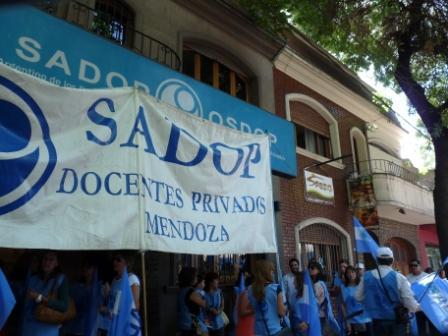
x=356, y=132
x=332, y=124
x=294, y=66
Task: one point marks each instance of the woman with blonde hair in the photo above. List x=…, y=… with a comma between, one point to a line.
x=264, y=297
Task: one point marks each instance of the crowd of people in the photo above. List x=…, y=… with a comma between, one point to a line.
x=70, y=302
x=355, y=302
x=352, y=301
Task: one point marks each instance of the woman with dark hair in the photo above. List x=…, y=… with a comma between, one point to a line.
x=122, y=262
x=245, y=319
x=327, y=319
x=358, y=322
x=215, y=304
x=41, y=287
x=81, y=292
x=264, y=297
x=189, y=303
x=298, y=324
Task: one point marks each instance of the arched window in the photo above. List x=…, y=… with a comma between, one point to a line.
x=323, y=240
x=208, y=69
x=316, y=128
x=114, y=20
x=359, y=151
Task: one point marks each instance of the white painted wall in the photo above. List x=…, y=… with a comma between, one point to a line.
x=378, y=154
x=170, y=23
x=394, y=191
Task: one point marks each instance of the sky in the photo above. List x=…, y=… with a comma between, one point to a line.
x=413, y=145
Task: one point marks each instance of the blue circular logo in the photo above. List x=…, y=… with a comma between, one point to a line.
x=27, y=154
x=180, y=94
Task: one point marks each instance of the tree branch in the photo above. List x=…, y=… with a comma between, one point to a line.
x=407, y=45
x=414, y=91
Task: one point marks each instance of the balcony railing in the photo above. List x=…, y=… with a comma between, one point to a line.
x=105, y=25
x=380, y=166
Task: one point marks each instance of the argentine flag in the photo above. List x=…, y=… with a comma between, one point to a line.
x=125, y=318
x=364, y=242
x=309, y=309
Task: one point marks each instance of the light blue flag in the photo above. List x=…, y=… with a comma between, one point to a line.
x=125, y=318
x=432, y=293
x=334, y=325
x=7, y=299
x=364, y=242
x=309, y=309
x=94, y=302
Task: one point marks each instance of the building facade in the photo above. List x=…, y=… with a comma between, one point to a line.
x=330, y=108
x=341, y=135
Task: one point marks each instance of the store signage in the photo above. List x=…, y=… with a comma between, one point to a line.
x=118, y=169
x=66, y=55
x=318, y=188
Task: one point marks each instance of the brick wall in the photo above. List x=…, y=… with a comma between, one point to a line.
x=392, y=229
x=293, y=206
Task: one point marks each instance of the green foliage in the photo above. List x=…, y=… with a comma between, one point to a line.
x=384, y=104
x=364, y=33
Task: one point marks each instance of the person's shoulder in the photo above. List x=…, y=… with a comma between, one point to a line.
x=401, y=277
x=289, y=275
x=133, y=279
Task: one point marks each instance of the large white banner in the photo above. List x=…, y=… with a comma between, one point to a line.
x=117, y=169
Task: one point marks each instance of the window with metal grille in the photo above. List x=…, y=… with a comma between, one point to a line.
x=114, y=20
x=324, y=244
x=223, y=264
x=214, y=73
x=434, y=259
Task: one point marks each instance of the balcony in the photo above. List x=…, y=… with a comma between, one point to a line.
x=106, y=26
x=401, y=195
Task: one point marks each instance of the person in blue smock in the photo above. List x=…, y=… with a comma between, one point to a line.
x=199, y=288
x=214, y=304
x=327, y=320
x=358, y=322
x=121, y=262
x=49, y=279
x=299, y=325
x=264, y=297
x=372, y=294
x=80, y=291
x=189, y=303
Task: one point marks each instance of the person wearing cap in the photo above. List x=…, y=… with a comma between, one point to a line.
x=372, y=294
x=360, y=269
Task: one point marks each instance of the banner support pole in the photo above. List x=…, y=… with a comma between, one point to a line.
x=145, y=292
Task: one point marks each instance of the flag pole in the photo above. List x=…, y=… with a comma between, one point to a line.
x=145, y=303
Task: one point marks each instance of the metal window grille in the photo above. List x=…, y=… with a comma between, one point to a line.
x=223, y=264
x=323, y=244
